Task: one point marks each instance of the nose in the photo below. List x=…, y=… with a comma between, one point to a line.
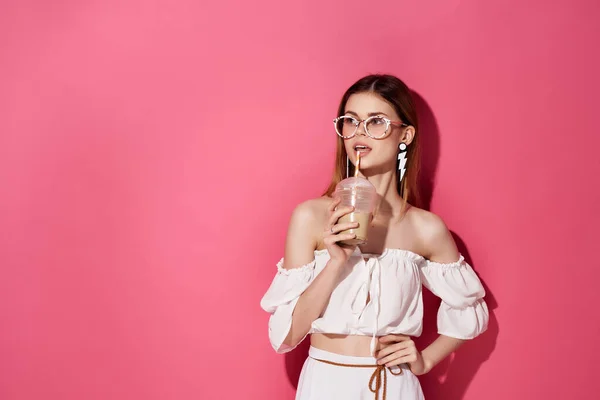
x=360, y=129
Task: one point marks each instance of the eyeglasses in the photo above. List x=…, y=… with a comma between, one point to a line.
x=376, y=127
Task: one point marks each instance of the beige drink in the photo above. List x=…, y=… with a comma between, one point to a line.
x=361, y=232
x=359, y=193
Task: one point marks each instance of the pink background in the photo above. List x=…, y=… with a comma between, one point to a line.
x=151, y=153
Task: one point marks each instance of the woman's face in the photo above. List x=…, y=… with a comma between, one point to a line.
x=380, y=154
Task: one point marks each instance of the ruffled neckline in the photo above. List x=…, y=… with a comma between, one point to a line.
x=387, y=251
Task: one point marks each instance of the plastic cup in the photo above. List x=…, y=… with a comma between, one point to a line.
x=359, y=193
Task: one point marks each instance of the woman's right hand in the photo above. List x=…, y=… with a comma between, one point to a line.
x=338, y=252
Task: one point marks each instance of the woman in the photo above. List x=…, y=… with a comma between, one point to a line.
x=362, y=304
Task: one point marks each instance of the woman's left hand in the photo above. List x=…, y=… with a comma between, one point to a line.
x=400, y=349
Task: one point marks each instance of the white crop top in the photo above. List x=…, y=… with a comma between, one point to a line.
x=380, y=295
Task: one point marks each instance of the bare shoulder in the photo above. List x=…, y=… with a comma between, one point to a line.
x=311, y=211
x=436, y=239
x=305, y=231
x=429, y=225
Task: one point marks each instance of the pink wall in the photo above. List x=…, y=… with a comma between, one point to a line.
x=135, y=136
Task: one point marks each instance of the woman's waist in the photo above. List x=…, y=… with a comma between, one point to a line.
x=349, y=345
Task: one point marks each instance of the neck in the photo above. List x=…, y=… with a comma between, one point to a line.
x=389, y=201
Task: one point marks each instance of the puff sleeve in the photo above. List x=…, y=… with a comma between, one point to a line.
x=281, y=298
x=463, y=312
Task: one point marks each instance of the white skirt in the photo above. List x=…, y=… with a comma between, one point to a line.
x=322, y=378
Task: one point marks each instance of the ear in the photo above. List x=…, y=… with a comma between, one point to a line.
x=408, y=135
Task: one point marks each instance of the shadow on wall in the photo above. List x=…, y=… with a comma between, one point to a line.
x=429, y=137
x=450, y=379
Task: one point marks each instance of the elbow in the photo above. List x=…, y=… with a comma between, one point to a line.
x=285, y=332
x=285, y=346
x=288, y=343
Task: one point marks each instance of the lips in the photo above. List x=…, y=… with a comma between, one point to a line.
x=363, y=148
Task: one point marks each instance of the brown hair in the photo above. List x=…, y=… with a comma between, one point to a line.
x=397, y=94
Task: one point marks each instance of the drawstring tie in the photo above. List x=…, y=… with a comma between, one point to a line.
x=368, y=294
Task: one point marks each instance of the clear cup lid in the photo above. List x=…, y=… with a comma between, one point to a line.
x=354, y=183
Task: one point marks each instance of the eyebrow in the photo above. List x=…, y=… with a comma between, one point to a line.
x=371, y=114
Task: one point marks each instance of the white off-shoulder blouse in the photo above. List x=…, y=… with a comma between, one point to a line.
x=380, y=295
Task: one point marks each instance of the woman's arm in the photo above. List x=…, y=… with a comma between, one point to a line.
x=441, y=348
x=442, y=249
x=439, y=247
x=305, y=226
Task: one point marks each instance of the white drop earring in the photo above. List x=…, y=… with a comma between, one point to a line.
x=402, y=161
